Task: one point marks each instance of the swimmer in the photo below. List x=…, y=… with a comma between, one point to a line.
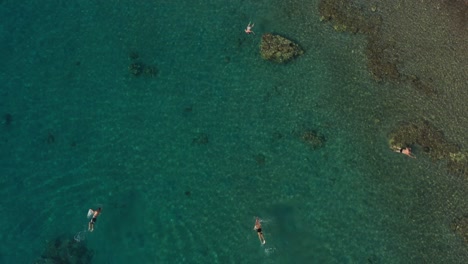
x=93, y=219
x=248, y=30
x=406, y=151
x=258, y=228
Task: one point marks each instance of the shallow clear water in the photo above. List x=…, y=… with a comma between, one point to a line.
x=86, y=133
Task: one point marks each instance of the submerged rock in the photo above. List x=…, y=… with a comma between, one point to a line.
x=140, y=69
x=65, y=250
x=278, y=49
x=201, y=139
x=460, y=226
x=313, y=139
x=433, y=143
x=424, y=134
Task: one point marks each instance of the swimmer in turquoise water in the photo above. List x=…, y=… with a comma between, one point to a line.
x=94, y=214
x=248, y=30
x=405, y=151
x=258, y=228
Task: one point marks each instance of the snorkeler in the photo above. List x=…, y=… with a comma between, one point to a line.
x=94, y=214
x=248, y=30
x=258, y=228
x=406, y=151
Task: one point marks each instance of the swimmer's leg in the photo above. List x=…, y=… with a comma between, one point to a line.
x=260, y=237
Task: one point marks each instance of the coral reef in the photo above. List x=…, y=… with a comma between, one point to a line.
x=382, y=59
x=421, y=85
x=278, y=49
x=433, y=142
x=346, y=16
x=138, y=68
x=382, y=56
x=458, y=163
x=65, y=250
x=460, y=226
x=424, y=134
x=260, y=159
x=200, y=139
x=50, y=138
x=313, y=138
x=7, y=119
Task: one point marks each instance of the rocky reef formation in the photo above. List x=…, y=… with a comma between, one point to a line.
x=65, y=250
x=278, y=49
x=347, y=16
x=141, y=69
x=460, y=227
x=382, y=55
x=200, y=139
x=138, y=68
x=7, y=119
x=312, y=138
x=433, y=142
x=424, y=134
x=458, y=163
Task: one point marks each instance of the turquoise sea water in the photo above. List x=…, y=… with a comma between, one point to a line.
x=183, y=161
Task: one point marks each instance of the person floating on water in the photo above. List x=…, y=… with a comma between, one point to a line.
x=258, y=228
x=248, y=30
x=94, y=214
x=406, y=151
